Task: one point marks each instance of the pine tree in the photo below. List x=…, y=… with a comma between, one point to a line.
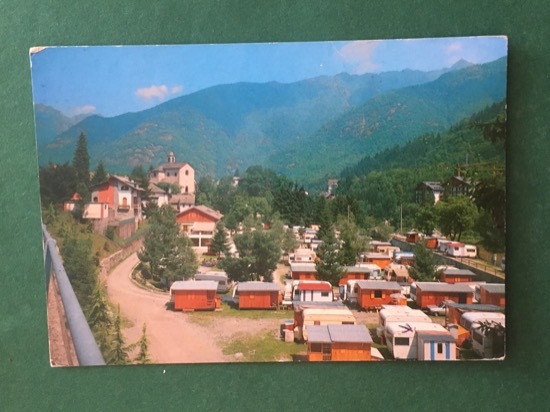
x=81, y=164
x=100, y=175
x=142, y=357
x=220, y=242
x=119, y=353
x=328, y=261
x=99, y=318
x=423, y=268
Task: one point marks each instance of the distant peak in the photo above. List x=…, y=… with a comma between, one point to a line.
x=461, y=64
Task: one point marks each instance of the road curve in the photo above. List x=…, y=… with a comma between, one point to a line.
x=172, y=338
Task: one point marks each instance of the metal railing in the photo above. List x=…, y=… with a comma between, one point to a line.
x=86, y=348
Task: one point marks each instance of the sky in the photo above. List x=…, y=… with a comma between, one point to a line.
x=113, y=80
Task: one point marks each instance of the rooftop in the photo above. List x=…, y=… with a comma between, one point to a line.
x=338, y=333
x=192, y=285
x=494, y=287
x=258, y=287
x=378, y=285
x=303, y=267
x=443, y=287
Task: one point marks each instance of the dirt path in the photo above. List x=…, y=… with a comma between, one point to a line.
x=172, y=338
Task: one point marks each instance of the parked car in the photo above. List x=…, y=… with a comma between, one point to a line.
x=440, y=309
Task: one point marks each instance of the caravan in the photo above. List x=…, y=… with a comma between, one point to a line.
x=220, y=277
x=489, y=344
x=398, y=314
x=321, y=316
x=403, y=340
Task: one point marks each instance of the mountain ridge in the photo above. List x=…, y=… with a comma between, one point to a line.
x=225, y=127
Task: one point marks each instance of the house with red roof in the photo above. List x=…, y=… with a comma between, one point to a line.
x=199, y=224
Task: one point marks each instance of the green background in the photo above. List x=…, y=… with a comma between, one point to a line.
x=521, y=382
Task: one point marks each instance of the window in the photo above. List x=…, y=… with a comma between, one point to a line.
x=187, y=173
x=378, y=294
x=317, y=322
x=327, y=349
x=124, y=187
x=95, y=198
x=324, y=294
x=439, y=348
x=477, y=337
x=316, y=347
x=348, y=323
x=401, y=341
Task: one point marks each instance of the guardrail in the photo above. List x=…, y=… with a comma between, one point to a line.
x=86, y=348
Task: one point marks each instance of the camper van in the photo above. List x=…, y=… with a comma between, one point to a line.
x=402, y=337
x=322, y=316
x=399, y=314
x=468, y=320
x=350, y=292
x=457, y=249
x=307, y=291
x=220, y=277
x=485, y=345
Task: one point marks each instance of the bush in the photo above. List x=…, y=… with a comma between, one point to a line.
x=110, y=233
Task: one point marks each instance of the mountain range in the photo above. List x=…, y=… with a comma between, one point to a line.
x=307, y=130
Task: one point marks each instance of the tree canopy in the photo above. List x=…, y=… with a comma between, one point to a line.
x=167, y=253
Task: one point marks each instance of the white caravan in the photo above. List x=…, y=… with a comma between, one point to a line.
x=402, y=340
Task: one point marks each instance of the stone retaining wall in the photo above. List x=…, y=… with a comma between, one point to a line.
x=109, y=263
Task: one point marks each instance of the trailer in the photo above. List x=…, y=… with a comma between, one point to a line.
x=489, y=344
x=220, y=277
x=399, y=314
x=457, y=249
x=402, y=339
x=321, y=316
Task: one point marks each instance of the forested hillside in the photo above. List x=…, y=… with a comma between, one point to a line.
x=307, y=130
x=392, y=118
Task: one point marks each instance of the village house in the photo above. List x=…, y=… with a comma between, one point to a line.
x=158, y=196
x=180, y=174
x=199, y=224
x=338, y=343
x=257, y=295
x=457, y=186
x=181, y=202
x=429, y=192
x=69, y=205
x=116, y=203
x=191, y=295
x=372, y=294
x=455, y=275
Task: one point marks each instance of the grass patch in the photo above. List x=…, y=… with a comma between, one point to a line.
x=229, y=312
x=263, y=348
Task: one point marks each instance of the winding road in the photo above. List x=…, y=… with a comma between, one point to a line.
x=172, y=338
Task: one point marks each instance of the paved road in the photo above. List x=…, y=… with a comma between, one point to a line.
x=172, y=339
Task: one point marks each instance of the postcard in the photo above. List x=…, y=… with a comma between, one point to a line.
x=273, y=202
